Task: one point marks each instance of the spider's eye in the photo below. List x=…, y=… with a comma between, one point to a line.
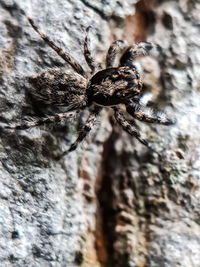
x=129, y=72
x=145, y=45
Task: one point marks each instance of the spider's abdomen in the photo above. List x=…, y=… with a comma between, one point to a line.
x=114, y=86
x=59, y=87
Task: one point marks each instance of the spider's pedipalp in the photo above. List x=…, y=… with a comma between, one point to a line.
x=115, y=48
x=50, y=119
x=83, y=133
x=66, y=56
x=146, y=114
x=87, y=52
x=138, y=50
x=130, y=129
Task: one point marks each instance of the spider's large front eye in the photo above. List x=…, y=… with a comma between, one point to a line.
x=114, y=86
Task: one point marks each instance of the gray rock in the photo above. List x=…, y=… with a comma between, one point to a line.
x=112, y=202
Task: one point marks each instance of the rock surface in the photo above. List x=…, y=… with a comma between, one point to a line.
x=112, y=202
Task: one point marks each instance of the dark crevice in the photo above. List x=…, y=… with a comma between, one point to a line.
x=106, y=212
x=7, y=55
x=113, y=204
x=146, y=11
x=109, y=211
x=96, y=10
x=138, y=26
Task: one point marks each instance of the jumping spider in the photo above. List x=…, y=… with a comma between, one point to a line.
x=107, y=87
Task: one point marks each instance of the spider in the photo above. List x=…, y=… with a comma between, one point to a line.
x=109, y=87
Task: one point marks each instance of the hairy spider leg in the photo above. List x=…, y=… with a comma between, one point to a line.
x=146, y=114
x=87, y=52
x=83, y=133
x=66, y=56
x=115, y=48
x=138, y=50
x=50, y=119
x=130, y=129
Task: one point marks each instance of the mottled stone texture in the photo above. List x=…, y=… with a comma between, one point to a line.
x=112, y=202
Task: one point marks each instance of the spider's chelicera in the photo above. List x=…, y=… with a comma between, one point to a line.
x=109, y=87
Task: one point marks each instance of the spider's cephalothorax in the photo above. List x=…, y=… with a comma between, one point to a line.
x=114, y=86
x=111, y=86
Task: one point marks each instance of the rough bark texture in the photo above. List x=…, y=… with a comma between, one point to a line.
x=112, y=202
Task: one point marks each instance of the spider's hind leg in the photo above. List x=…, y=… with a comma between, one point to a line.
x=129, y=128
x=50, y=119
x=83, y=133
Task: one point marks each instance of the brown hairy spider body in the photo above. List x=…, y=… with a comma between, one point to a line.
x=60, y=88
x=106, y=87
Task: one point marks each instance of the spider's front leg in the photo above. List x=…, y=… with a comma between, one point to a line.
x=138, y=50
x=83, y=133
x=66, y=56
x=87, y=53
x=129, y=128
x=50, y=119
x=115, y=48
x=146, y=114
